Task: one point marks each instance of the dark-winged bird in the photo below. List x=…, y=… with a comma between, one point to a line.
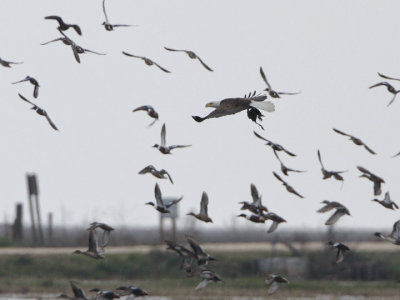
x=79, y=293
x=341, y=210
x=256, y=206
x=162, y=174
x=274, y=146
x=341, y=249
x=160, y=205
x=328, y=174
x=192, y=55
x=131, y=290
x=150, y=112
x=164, y=149
x=148, y=61
x=107, y=25
x=104, y=294
x=94, y=250
x=62, y=26
x=34, y=82
x=40, y=111
x=203, y=214
x=8, y=64
x=202, y=257
x=374, y=178
x=355, y=140
x=276, y=220
x=207, y=276
x=288, y=187
x=394, y=236
x=270, y=91
x=390, y=89
x=274, y=281
x=285, y=170
x=387, y=202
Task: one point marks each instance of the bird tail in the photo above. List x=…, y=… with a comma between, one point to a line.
x=198, y=119
x=265, y=105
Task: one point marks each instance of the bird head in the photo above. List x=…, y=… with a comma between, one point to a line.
x=242, y=215
x=214, y=104
x=150, y=203
x=156, y=146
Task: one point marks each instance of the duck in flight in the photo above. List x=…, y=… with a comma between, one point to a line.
x=274, y=146
x=270, y=91
x=276, y=220
x=274, y=282
x=93, y=250
x=79, y=293
x=202, y=257
x=341, y=210
x=148, y=61
x=161, y=174
x=160, y=205
x=288, y=187
x=150, y=112
x=388, y=86
x=34, y=82
x=192, y=55
x=62, y=26
x=355, y=140
x=256, y=206
x=374, y=178
x=7, y=64
x=328, y=174
x=164, y=149
x=285, y=170
x=341, y=249
x=203, y=215
x=394, y=236
x=207, y=276
x=387, y=202
x=40, y=111
x=131, y=290
x=107, y=25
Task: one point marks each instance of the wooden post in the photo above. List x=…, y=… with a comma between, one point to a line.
x=39, y=219
x=30, y=202
x=50, y=227
x=17, y=226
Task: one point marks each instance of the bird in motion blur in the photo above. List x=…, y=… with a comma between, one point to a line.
x=328, y=174
x=34, y=82
x=40, y=111
x=150, y=112
x=341, y=210
x=161, y=174
x=160, y=205
x=274, y=282
x=203, y=214
x=62, y=26
x=148, y=61
x=107, y=25
x=186, y=255
x=270, y=91
x=104, y=294
x=394, y=236
x=276, y=220
x=93, y=251
x=274, y=146
x=163, y=148
x=285, y=170
x=390, y=89
x=133, y=290
x=341, y=249
x=79, y=293
x=105, y=237
x=207, y=276
x=199, y=254
x=192, y=55
x=288, y=187
x=256, y=206
x=387, y=202
x=355, y=140
x=374, y=178
x=7, y=64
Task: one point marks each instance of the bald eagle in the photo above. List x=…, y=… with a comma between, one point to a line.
x=232, y=106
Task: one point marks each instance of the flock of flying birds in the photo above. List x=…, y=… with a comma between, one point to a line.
x=258, y=213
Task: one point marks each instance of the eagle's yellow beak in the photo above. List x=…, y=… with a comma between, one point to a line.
x=208, y=105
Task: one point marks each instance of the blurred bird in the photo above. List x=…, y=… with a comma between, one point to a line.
x=288, y=187
x=202, y=257
x=131, y=290
x=203, y=215
x=161, y=174
x=276, y=220
x=104, y=294
x=328, y=174
x=107, y=25
x=387, y=202
x=389, y=87
x=256, y=206
x=398, y=154
x=94, y=250
x=192, y=55
x=341, y=249
x=186, y=255
x=8, y=64
x=274, y=146
x=160, y=205
x=394, y=236
x=105, y=238
x=355, y=140
x=285, y=170
x=148, y=61
x=341, y=210
x=40, y=111
x=62, y=26
x=255, y=218
x=164, y=149
x=207, y=276
x=150, y=112
x=372, y=177
x=274, y=281
x=269, y=89
x=32, y=81
x=79, y=293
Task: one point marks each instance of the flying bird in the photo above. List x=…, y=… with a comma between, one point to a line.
x=40, y=111
x=341, y=210
x=164, y=149
x=387, y=202
x=202, y=257
x=203, y=215
x=390, y=89
x=256, y=206
x=186, y=255
x=107, y=25
x=328, y=174
x=131, y=290
x=270, y=91
x=355, y=140
x=148, y=61
x=150, y=112
x=161, y=174
x=387, y=77
x=374, y=178
x=255, y=218
x=62, y=26
x=232, y=106
x=276, y=220
x=274, y=281
x=93, y=251
x=274, y=146
x=285, y=170
x=104, y=294
x=160, y=205
x=394, y=236
x=192, y=55
x=289, y=188
x=34, y=82
x=341, y=249
x=8, y=64
x=79, y=293
x=207, y=276
x=105, y=238
x=398, y=154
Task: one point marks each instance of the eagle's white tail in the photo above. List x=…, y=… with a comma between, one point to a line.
x=265, y=105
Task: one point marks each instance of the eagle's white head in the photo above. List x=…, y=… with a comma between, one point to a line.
x=214, y=104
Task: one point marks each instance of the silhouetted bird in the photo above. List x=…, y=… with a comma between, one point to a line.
x=62, y=26
x=107, y=25
x=285, y=170
x=274, y=146
x=394, y=236
x=372, y=177
x=341, y=210
x=271, y=92
x=387, y=202
x=160, y=205
x=288, y=187
x=328, y=174
x=8, y=64
x=341, y=249
x=162, y=174
x=164, y=149
x=32, y=81
x=148, y=61
x=192, y=55
x=355, y=140
x=389, y=87
x=150, y=112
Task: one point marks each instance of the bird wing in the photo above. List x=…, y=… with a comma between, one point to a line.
x=91, y=51
x=364, y=170
x=335, y=217
x=396, y=230
x=391, y=101
x=161, y=68
x=369, y=149
x=341, y=132
x=204, y=65
x=76, y=54
x=23, y=98
x=178, y=146
x=225, y=110
x=36, y=91
x=105, y=238
x=387, y=77
x=170, y=49
x=273, y=227
x=131, y=55
x=77, y=29
x=260, y=137
x=204, y=204
x=104, y=10
x=325, y=208
x=279, y=178
x=93, y=241
x=293, y=191
x=388, y=85
x=173, y=202
x=288, y=152
x=254, y=193
x=194, y=245
x=57, y=18
x=264, y=78
x=273, y=288
x=339, y=256
x=377, y=188
x=143, y=107
x=285, y=93
x=79, y=293
x=147, y=169
x=55, y=40
x=202, y=284
x=396, y=155
x=163, y=133
x=51, y=122
x=20, y=81
x=169, y=177
x=157, y=194
x=320, y=160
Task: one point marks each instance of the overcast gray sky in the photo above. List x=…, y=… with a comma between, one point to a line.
x=331, y=51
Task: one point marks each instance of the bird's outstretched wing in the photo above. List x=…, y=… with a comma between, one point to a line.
x=387, y=77
x=264, y=78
